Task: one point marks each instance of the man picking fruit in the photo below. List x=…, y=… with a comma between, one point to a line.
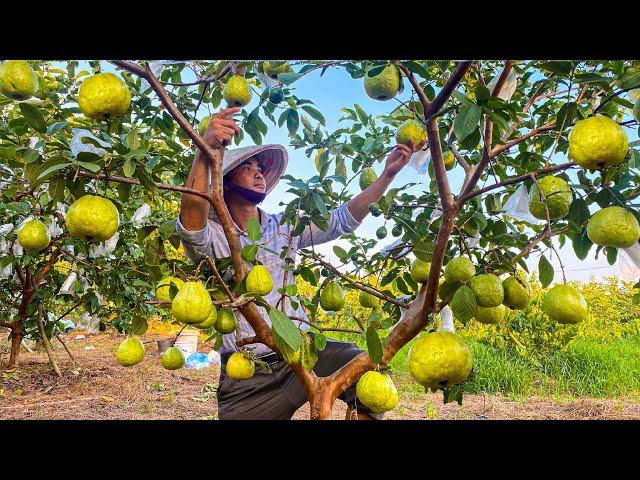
x=250, y=173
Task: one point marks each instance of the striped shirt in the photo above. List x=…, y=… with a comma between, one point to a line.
x=211, y=241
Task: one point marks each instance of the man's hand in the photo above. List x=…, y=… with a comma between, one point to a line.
x=222, y=128
x=397, y=160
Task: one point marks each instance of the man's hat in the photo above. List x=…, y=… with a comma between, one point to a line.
x=273, y=158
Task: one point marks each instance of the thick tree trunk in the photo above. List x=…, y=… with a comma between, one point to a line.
x=321, y=402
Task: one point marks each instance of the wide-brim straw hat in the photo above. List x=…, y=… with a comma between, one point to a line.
x=273, y=158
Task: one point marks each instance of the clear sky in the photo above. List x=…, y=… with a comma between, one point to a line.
x=336, y=90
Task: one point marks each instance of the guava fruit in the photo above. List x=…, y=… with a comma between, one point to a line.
x=92, y=218
x=367, y=177
x=459, y=269
x=411, y=131
x=440, y=359
x=259, y=280
x=517, y=293
x=237, y=92
x=487, y=289
x=172, y=358
x=103, y=96
x=34, y=235
x=332, y=297
x=192, y=304
x=558, y=195
x=129, y=352
x=598, y=142
x=565, y=304
x=384, y=85
x=613, y=227
x=240, y=366
x=18, y=80
x=377, y=391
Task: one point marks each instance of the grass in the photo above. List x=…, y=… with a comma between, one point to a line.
x=587, y=367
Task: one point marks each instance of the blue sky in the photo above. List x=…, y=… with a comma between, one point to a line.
x=336, y=90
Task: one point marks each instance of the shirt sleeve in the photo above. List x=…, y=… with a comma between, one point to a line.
x=196, y=243
x=340, y=222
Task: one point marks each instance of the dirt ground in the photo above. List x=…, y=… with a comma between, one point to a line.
x=96, y=387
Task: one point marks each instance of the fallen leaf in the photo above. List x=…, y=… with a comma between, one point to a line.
x=106, y=399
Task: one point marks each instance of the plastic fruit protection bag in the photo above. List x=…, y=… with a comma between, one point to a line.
x=629, y=262
x=517, y=206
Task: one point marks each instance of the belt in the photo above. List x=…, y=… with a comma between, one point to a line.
x=268, y=358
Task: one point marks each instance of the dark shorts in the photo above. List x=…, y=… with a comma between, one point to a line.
x=277, y=395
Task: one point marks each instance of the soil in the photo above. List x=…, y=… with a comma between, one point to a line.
x=95, y=387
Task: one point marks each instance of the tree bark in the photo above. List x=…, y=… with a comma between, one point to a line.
x=321, y=400
x=16, y=340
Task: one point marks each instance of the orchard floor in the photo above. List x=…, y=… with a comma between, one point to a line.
x=96, y=387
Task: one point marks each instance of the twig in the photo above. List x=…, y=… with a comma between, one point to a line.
x=222, y=283
x=321, y=329
x=357, y=285
x=613, y=95
x=65, y=347
x=45, y=341
x=133, y=181
x=555, y=168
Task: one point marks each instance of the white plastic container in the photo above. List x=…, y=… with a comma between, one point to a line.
x=188, y=341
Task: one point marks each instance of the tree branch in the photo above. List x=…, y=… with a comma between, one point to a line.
x=449, y=87
x=536, y=131
x=511, y=181
x=357, y=285
x=317, y=327
x=416, y=86
x=133, y=181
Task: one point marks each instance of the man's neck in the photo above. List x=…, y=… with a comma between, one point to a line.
x=241, y=212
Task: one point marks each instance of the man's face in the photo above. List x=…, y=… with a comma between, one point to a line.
x=249, y=175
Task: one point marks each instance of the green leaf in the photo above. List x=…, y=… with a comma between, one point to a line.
x=581, y=244
x=92, y=167
x=129, y=167
x=308, y=353
x=362, y=115
x=168, y=228
x=314, y=114
x=415, y=67
x=321, y=341
x=249, y=252
x=566, y=115
x=289, y=78
x=139, y=324
x=19, y=207
x=56, y=188
x=579, y=211
x=340, y=253
x=254, y=229
x=33, y=117
x=482, y=94
x=423, y=249
x=293, y=121
x=320, y=205
x=562, y=68
x=291, y=289
x=45, y=173
x=630, y=78
x=374, y=345
x=153, y=252
x=466, y=121
x=471, y=141
x=546, y=271
x=284, y=327
x=612, y=254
